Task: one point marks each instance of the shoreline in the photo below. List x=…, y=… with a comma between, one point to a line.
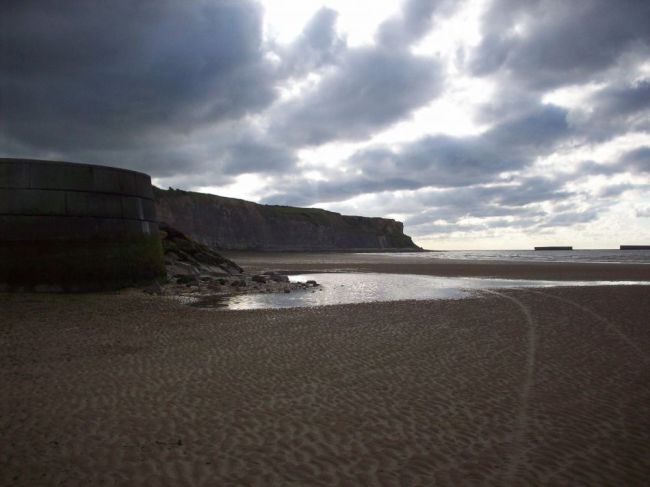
x=323, y=262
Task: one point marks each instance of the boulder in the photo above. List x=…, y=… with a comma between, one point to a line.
x=279, y=278
x=184, y=256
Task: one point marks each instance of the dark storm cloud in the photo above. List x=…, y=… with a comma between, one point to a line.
x=439, y=161
x=102, y=78
x=549, y=43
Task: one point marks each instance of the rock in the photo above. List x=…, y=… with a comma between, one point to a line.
x=153, y=288
x=259, y=278
x=188, y=280
x=184, y=256
x=279, y=278
x=311, y=282
x=181, y=269
x=287, y=290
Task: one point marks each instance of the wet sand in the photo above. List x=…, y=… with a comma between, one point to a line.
x=405, y=264
x=519, y=387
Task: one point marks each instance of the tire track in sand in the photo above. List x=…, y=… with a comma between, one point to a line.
x=529, y=377
x=608, y=324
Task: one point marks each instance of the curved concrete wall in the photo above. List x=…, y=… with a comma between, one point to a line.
x=76, y=226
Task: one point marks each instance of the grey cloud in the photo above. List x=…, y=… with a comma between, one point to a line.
x=443, y=228
x=370, y=89
x=593, y=168
x=425, y=223
x=614, y=110
x=637, y=160
x=531, y=190
x=485, y=226
x=570, y=218
x=560, y=42
x=642, y=212
x=439, y=161
x=616, y=190
x=317, y=46
x=255, y=155
x=512, y=200
x=108, y=79
x=414, y=21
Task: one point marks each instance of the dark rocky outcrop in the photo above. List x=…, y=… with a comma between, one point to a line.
x=196, y=273
x=185, y=258
x=233, y=224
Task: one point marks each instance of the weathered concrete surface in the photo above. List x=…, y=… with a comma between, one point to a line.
x=232, y=224
x=75, y=226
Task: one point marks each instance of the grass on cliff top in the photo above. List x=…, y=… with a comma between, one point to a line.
x=316, y=216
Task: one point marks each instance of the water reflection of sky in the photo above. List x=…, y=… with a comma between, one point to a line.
x=346, y=288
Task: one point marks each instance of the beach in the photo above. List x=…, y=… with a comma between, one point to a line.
x=407, y=263
x=510, y=387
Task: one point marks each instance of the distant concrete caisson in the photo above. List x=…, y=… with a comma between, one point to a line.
x=555, y=248
x=76, y=227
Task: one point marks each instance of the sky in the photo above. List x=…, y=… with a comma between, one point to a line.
x=481, y=124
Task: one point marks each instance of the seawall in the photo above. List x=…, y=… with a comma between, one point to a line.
x=75, y=226
x=233, y=224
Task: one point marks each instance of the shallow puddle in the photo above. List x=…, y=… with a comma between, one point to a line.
x=347, y=288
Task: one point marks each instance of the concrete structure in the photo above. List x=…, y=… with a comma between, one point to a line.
x=75, y=226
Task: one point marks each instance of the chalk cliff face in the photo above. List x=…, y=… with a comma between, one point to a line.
x=232, y=224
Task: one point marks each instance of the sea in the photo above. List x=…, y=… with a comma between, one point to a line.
x=609, y=256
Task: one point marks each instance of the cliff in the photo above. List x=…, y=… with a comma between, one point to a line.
x=233, y=224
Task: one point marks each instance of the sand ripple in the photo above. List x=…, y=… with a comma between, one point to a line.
x=518, y=388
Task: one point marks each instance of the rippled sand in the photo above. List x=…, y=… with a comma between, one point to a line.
x=513, y=388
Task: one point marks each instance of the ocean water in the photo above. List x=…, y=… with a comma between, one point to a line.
x=588, y=256
x=348, y=288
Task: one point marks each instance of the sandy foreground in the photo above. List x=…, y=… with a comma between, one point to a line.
x=519, y=387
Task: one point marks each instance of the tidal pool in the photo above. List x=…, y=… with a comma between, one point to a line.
x=347, y=288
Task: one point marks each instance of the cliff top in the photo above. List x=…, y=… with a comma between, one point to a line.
x=313, y=215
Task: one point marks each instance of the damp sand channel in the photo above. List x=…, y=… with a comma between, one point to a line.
x=338, y=288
